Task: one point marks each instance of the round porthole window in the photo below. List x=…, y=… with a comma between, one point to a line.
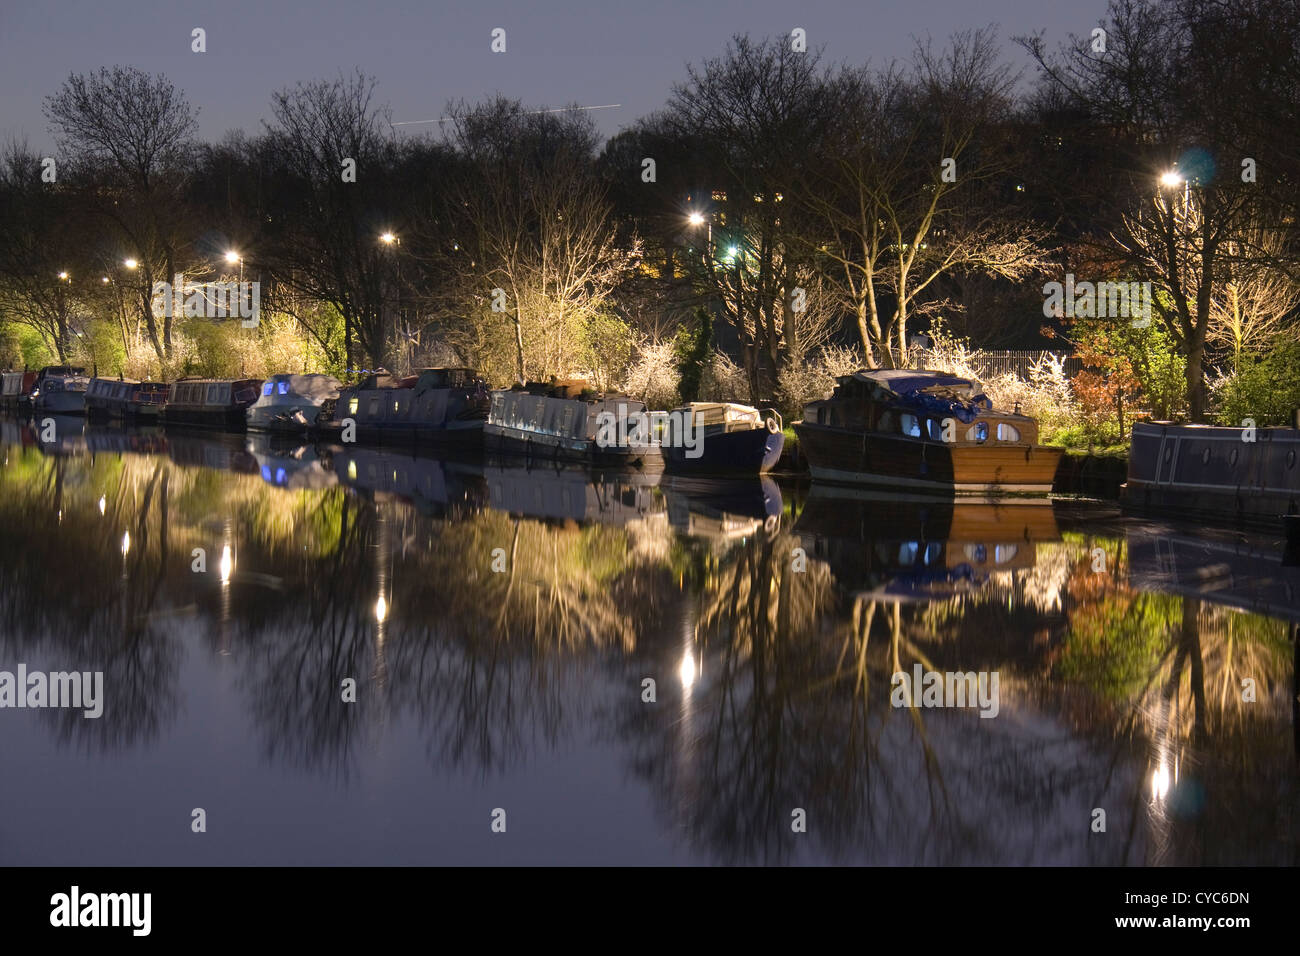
x=1169, y=453
x=1290, y=458
x=1232, y=459
x=1205, y=456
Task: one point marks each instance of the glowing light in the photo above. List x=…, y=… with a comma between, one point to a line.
x=696, y=219
x=232, y=257
x=126, y=542
x=1171, y=179
x=104, y=279
x=388, y=238
x=102, y=504
x=687, y=671
x=130, y=263
x=1160, y=781
x=227, y=564
x=381, y=610
x=63, y=276
x=732, y=251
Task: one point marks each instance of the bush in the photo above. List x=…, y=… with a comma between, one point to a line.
x=801, y=381
x=1263, y=387
x=723, y=381
x=653, y=377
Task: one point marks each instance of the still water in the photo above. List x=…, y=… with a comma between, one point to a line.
x=501, y=627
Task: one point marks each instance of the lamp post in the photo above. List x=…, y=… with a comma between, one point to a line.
x=232, y=257
x=389, y=239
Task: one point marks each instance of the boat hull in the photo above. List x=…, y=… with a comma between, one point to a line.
x=728, y=454
x=1199, y=472
x=856, y=457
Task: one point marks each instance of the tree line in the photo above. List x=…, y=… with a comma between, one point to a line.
x=778, y=207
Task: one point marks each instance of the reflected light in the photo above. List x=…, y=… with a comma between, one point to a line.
x=688, y=672
x=381, y=609
x=1160, y=781
x=102, y=504
x=227, y=564
x=126, y=542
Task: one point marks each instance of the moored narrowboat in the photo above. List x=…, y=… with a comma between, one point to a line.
x=922, y=430
x=60, y=390
x=211, y=402
x=16, y=390
x=110, y=399
x=1247, y=476
x=569, y=422
x=292, y=403
x=434, y=406
x=721, y=439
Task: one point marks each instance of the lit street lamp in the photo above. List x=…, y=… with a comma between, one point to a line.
x=232, y=257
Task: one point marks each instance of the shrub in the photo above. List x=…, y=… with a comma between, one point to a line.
x=1263, y=387
x=652, y=376
x=723, y=380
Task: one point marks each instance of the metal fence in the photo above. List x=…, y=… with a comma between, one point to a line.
x=989, y=363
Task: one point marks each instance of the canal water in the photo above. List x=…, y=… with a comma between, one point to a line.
x=362, y=656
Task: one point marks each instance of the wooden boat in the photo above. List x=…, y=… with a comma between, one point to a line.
x=60, y=390
x=292, y=403
x=433, y=406
x=923, y=430
x=211, y=402
x=109, y=399
x=723, y=439
x=16, y=389
x=1201, y=472
x=569, y=422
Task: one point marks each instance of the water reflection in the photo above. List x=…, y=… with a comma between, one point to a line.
x=501, y=621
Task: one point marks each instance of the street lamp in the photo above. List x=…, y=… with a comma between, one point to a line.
x=232, y=257
x=130, y=263
x=63, y=276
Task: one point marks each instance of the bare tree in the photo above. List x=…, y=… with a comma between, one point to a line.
x=129, y=132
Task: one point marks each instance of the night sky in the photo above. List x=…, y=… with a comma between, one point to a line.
x=590, y=52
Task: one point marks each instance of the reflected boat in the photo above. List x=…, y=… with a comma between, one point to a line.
x=572, y=494
x=916, y=550
x=433, y=486
x=144, y=441
x=16, y=390
x=724, y=510
x=289, y=464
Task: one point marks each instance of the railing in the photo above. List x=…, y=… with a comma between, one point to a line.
x=989, y=363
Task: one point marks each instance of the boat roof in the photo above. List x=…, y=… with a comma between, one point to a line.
x=902, y=380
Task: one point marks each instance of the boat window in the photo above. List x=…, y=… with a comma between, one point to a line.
x=907, y=553
x=978, y=432
x=352, y=406
x=266, y=390
x=1008, y=432
x=283, y=388
x=932, y=552
x=910, y=424
x=374, y=405
x=977, y=553
x=214, y=394
x=1003, y=553
x=1205, y=456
